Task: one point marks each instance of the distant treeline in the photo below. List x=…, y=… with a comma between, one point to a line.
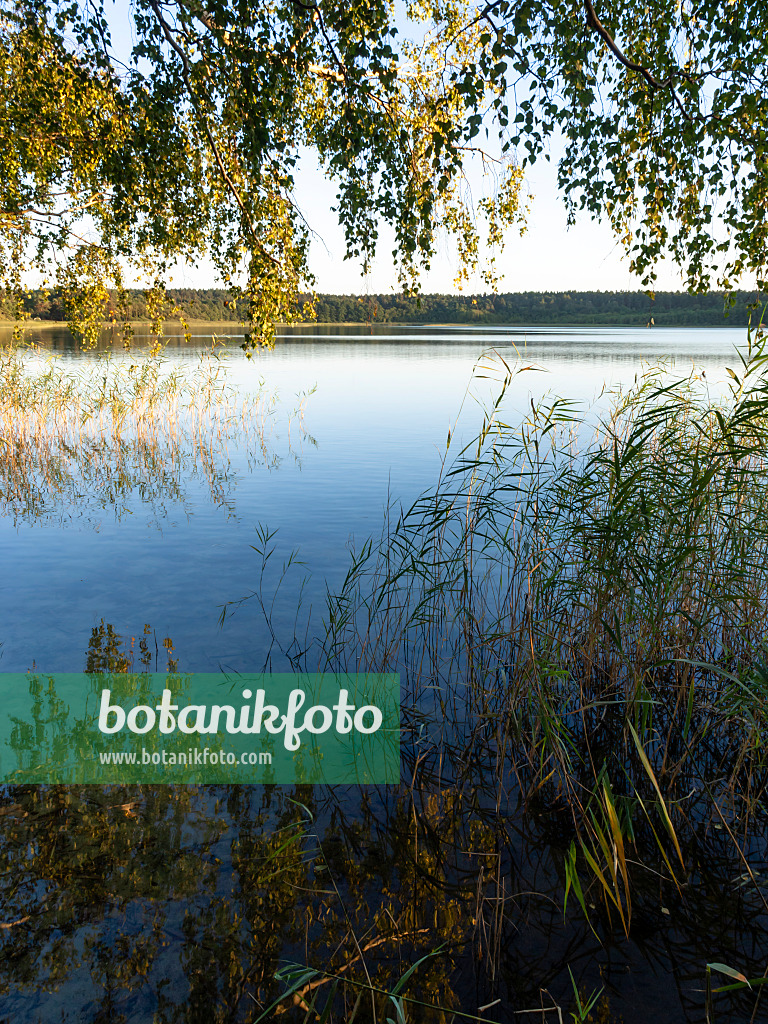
x=195, y=303
x=621, y=309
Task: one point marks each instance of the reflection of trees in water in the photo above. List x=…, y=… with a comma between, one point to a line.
x=117, y=434
x=108, y=651
x=179, y=903
x=185, y=900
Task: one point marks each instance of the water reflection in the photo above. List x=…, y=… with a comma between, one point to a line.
x=116, y=435
x=182, y=904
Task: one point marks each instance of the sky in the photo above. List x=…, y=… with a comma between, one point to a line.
x=550, y=256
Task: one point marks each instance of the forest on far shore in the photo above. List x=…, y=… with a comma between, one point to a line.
x=611, y=309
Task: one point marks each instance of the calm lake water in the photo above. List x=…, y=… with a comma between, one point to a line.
x=376, y=429
x=156, y=906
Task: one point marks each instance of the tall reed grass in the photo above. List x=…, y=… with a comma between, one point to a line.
x=581, y=628
x=578, y=618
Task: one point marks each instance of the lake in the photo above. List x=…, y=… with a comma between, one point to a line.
x=178, y=904
x=376, y=429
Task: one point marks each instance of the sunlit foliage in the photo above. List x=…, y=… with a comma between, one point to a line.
x=123, y=157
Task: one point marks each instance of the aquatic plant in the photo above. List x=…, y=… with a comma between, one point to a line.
x=577, y=613
x=580, y=633
x=578, y=616
x=95, y=434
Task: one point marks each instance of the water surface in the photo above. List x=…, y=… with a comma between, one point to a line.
x=376, y=430
x=171, y=905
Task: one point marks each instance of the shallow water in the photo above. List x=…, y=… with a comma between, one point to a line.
x=376, y=430
x=167, y=904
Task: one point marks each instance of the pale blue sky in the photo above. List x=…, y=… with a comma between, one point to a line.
x=550, y=256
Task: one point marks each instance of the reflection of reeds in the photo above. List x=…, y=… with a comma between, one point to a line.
x=74, y=441
x=584, y=628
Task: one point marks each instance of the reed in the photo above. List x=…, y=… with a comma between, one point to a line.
x=586, y=623
x=116, y=428
x=578, y=616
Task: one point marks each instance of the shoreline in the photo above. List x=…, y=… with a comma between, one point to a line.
x=63, y=325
